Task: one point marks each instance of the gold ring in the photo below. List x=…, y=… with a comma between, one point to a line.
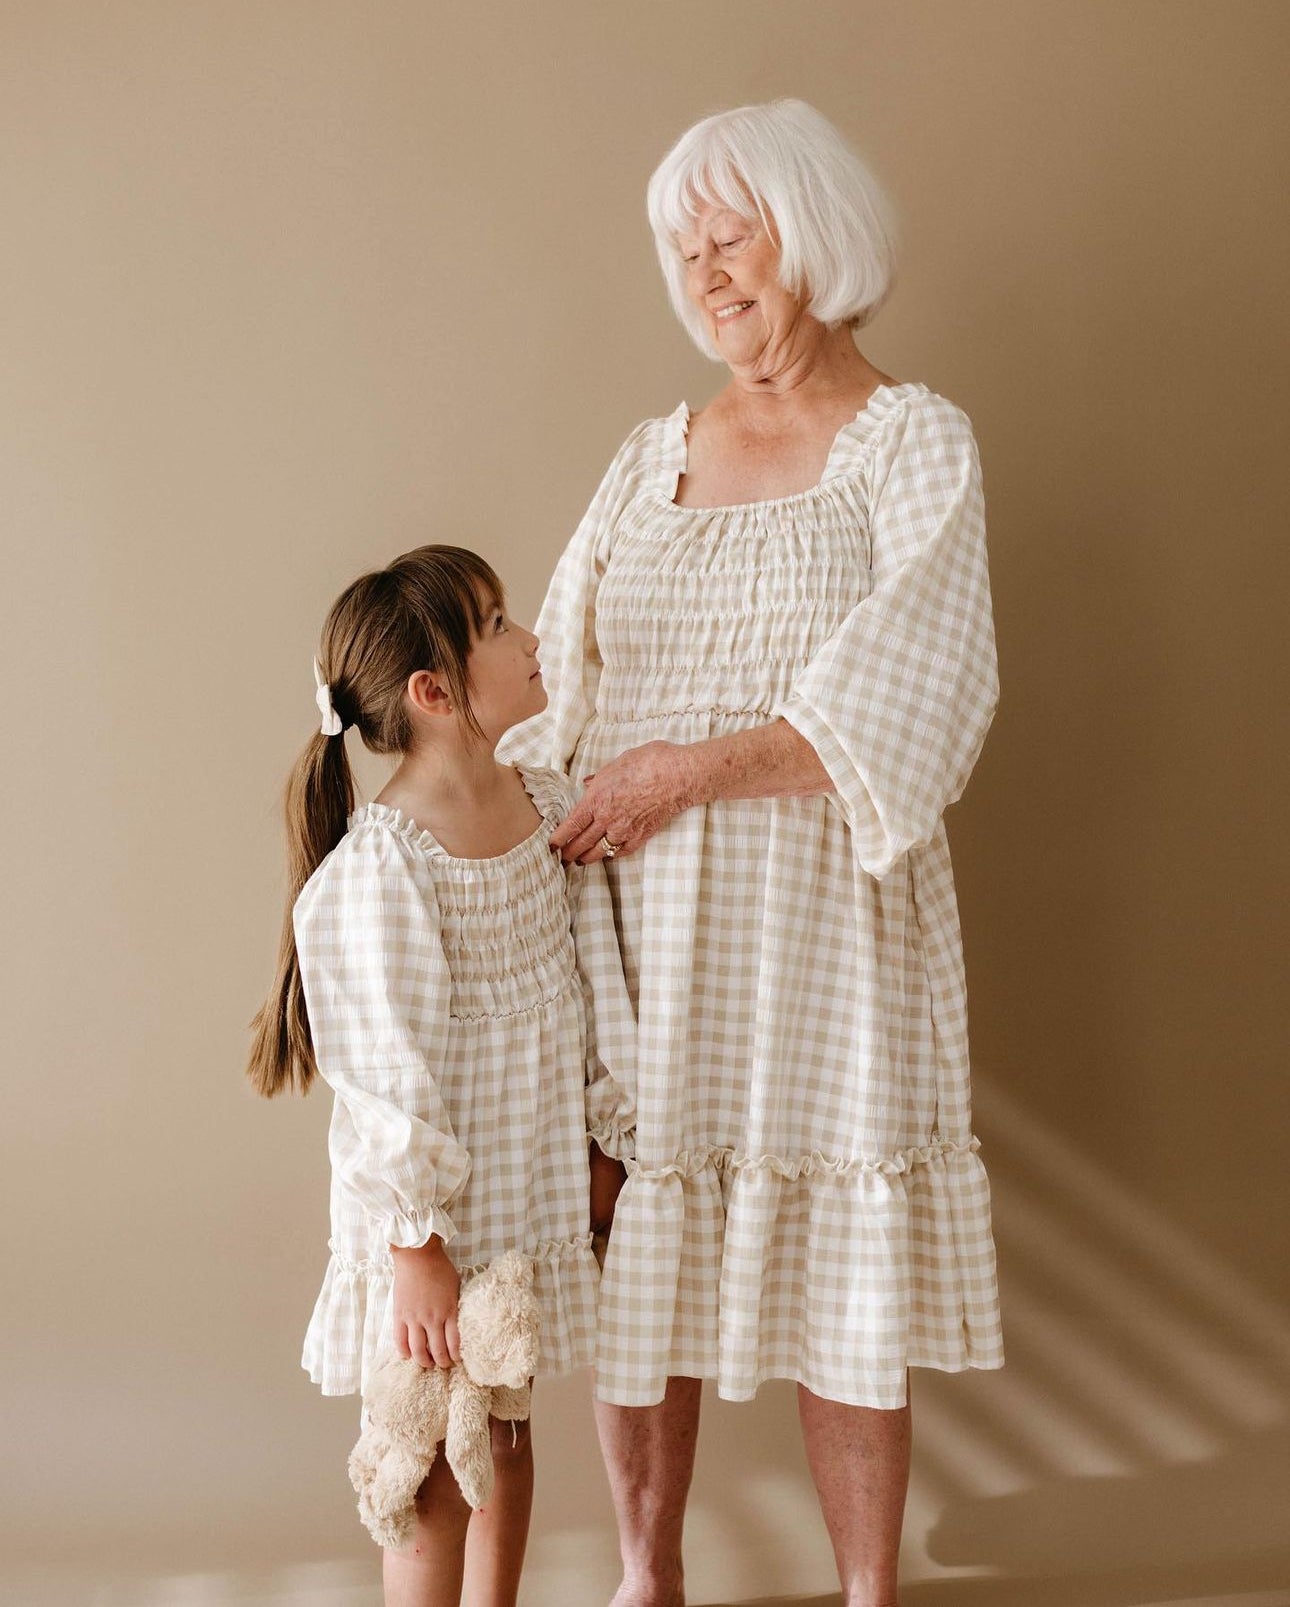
x=607, y=848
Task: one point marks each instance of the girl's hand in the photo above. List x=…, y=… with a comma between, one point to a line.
x=607, y=1179
x=426, y=1287
x=628, y=800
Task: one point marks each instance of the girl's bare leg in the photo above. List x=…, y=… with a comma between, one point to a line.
x=859, y=1460
x=499, y=1531
x=427, y=1571
x=649, y=1456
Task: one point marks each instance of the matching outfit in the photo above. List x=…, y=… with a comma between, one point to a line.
x=781, y=1055
x=451, y=1015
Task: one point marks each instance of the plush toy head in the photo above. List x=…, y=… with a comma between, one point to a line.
x=411, y=1409
x=498, y=1323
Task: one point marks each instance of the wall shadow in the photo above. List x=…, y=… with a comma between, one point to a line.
x=1136, y=1447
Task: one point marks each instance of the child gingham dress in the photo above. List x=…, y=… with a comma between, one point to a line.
x=450, y=1015
x=806, y=1199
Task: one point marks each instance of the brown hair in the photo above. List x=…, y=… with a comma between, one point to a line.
x=422, y=612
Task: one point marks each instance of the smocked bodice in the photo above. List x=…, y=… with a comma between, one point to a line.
x=504, y=921
x=737, y=598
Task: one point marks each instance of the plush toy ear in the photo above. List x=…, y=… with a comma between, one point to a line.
x=407, y=1407
x=388, y=1505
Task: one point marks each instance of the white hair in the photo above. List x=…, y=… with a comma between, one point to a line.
x=834, y=224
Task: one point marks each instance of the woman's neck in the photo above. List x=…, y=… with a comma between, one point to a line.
x=815, y=369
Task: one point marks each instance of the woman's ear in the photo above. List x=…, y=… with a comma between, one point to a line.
x=428, y=694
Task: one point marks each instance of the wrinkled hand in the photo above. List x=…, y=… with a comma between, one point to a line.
x=628, y=800
x=426, y=1288
x=607, y=1179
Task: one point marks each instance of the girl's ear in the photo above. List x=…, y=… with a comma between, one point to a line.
x=428, y=693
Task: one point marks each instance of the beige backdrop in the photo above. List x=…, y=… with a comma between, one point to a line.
x=290, y=286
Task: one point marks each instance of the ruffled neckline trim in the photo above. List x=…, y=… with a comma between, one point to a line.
x=856, y=432
x=537, y=783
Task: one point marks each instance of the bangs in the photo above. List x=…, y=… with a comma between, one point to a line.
x=482, y=593
x=710, y=178
x=486, y=599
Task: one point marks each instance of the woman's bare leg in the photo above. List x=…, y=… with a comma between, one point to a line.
x=427, y=1571
x=859, y=1460
x=649, y=1456
x=499, y=1531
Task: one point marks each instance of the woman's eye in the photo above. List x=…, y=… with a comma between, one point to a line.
x=729, y=245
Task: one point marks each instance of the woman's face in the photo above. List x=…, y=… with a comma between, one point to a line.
x=732, y=277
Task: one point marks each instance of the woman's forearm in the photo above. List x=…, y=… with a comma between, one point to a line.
x=767, y=761
x=632, y=797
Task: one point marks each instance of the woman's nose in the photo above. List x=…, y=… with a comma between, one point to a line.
x=706, y=274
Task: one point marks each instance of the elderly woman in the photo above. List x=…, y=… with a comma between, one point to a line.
x=769, y=650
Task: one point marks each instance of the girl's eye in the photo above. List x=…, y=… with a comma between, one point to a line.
x=500, y=623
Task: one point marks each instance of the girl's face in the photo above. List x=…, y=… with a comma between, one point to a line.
x=505, y=680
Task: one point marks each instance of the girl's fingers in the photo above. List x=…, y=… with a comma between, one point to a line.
x=438, y=1345
x=401, y=1341
x=452, y=1338
x=420, y=1349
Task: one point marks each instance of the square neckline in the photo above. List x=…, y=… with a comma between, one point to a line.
x=682, y=417
x=394, y=817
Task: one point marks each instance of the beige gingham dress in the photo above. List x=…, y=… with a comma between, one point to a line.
x=450, y=1014
x=806, y=1199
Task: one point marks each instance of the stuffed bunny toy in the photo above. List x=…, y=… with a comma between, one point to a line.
x=411, y=1408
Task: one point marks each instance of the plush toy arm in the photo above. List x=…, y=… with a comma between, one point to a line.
x=469, y=1442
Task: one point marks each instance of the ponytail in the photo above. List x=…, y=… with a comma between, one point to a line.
x=422, y=612
x=319, y=801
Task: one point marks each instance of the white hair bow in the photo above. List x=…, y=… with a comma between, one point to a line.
x=331, y=721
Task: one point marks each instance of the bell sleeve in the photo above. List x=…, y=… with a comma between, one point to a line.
x=566, y=625
x=610, y=1094
x=898, y=701
x=377, y=990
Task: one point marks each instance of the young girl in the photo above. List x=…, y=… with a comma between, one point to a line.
x=428, y=972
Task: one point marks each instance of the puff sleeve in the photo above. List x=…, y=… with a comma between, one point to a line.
x=377, y=989
x=566, y=626
x=898, y=701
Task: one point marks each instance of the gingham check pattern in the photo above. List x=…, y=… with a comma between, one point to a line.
x=807, y=1200
x=449, y=1015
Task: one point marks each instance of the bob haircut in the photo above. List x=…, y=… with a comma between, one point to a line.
x=789, y=164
